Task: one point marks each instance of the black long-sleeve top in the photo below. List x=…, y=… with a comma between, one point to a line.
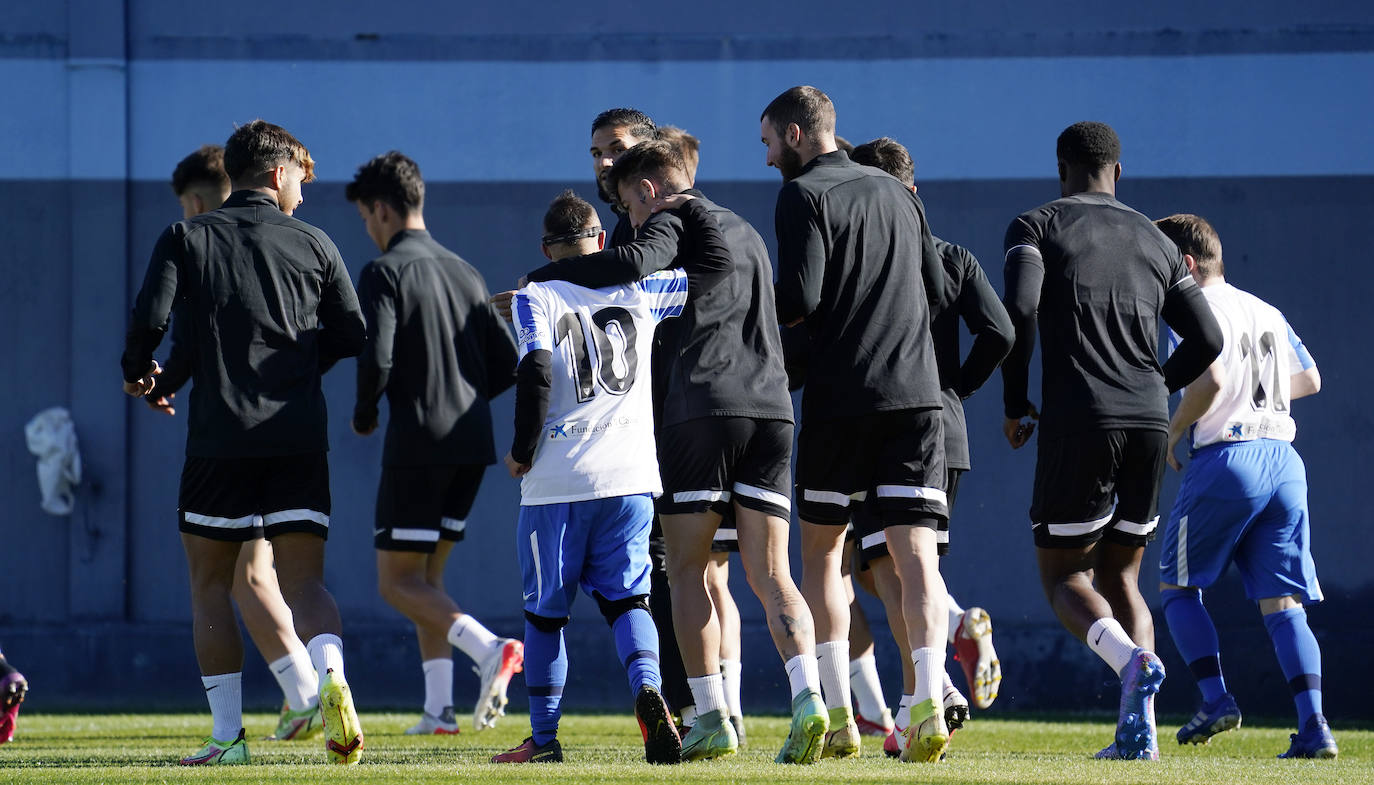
x=850, y=263
x=268, y=307
x=1097, y=276
x=723, y=356
x=977, y=305
x=436, y=348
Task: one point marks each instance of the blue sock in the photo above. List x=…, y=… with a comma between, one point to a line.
x=636, y=641
x=1196, y=638
x=546, y=671
x=1300, y=658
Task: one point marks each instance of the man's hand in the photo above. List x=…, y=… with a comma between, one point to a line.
x=502, y=302
x=1169, y=456
x=516, y=469
x=161, y=404
x=1018, y=430
x=144, y=385
x=364, y=426
x=669, y=202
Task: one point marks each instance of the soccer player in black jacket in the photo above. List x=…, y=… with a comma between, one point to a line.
x=271, y=308
x=438, y=351
x=201, y=185
x=975, y=303
x=851, y=266
x=1100, y=276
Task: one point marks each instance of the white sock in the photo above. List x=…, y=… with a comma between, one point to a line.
x=709, y=693
x=833, y=659
x=930, y=672
x=1109, y=641
x=730, y=672
x=903, y=718
x=471, y=638
x=803, y=674
x=689, y=715
x=225, y=694
x=868, y=691
x=326, y=654
x=438, y=685
x=296, y=677
x=956, y=615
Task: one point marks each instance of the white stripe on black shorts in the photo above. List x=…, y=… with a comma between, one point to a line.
x=709, y=462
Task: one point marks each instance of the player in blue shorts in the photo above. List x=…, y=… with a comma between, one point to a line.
x=584, y=450
x=1243, y=499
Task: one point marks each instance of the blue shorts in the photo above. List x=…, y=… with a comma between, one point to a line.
x=600, y=544
x=1244, y=502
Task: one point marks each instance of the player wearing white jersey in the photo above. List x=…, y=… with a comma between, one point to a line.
x=584, y=448
x=1243, y=499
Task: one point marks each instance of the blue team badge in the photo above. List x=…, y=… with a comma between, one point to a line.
x=1237, y=431
x=558, y=430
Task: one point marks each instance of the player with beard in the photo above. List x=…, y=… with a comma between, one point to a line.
x=977, y=305
x=851, y=266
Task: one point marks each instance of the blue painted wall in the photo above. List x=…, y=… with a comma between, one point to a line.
x=1262, y=127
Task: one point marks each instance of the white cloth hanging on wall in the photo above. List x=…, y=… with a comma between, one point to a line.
x=52, y=437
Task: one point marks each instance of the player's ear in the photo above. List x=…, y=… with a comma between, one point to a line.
x=794, y=135
x=276, y=177
x=1191, y=262
x=601, y=241
x=199, y=202
x=1063, y=172
x=1116, y=173
x=646, y=189
x=544, y=249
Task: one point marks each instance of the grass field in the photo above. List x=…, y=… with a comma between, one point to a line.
x=143, y=748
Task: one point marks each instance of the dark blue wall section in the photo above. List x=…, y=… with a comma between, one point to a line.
x=1261, y=127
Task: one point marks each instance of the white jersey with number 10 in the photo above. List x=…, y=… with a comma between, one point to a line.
x=598, y=438
x=1260, y=356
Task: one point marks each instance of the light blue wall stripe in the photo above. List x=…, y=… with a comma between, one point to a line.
x=1247, y=115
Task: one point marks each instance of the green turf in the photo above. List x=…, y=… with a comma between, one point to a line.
x=144, y=748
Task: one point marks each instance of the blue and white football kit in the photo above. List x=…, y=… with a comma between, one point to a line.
x=1244, y=494
x=587, y=500
x=1244, y=499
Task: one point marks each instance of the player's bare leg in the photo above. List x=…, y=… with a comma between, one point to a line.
x=1066, y=575
x=269, y=623
x=871, y=714
x=1117, y=577
x=215, y=630
x=727, y=612
x=688, y=539
x=763, y=550
x=219, y=646
x=824, y=588
x=917, y=564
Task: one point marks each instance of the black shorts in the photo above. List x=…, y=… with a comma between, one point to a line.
x=868, y=529
x=897, y=457
x=1095, y=484
x=238, y=499
x=419, y=505
x=726, y=538
x=708, y=462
